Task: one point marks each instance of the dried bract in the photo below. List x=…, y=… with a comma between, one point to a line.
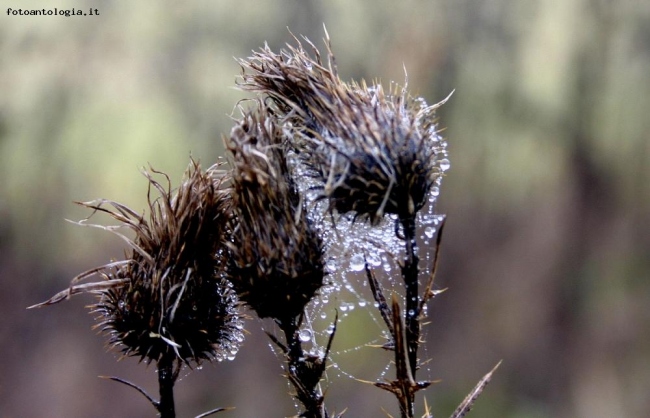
x=276, y=260
x=374, y=151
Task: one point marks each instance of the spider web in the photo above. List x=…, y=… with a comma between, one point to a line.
x=360, y=331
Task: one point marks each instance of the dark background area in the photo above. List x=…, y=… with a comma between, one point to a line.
x=547, y=243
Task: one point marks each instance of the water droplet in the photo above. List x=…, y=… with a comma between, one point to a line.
x=305, y=335
x=387, y=263
x=429, y=231
x=344, y=307
x=445, y=164
x=374, y=259
x=435, y=191
x=323, y=315
x=411, y=312
x=330, y=329
x=357, y=263
x=362, y=303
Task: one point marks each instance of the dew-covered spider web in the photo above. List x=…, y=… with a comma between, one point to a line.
x=361, y=332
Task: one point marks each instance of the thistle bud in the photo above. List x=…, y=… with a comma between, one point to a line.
x=276, y=257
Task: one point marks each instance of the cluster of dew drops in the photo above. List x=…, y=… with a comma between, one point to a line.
x=229, y=346
x=349, y=246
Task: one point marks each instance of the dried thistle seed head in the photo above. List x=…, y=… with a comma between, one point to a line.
x=375, y=152
x=175, y=299
x=385, y=161
x=169, y=296
x=276, y=257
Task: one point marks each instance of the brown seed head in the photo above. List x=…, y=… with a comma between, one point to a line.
x=276, y=262
x=169, y=296
x=375, y=152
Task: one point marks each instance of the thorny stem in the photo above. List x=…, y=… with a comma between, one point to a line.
x=404, y=386
x=410, y=276
x=304, y=373
x=404, y=383
x=293, y=342
x=166, y=379
x=404, y=330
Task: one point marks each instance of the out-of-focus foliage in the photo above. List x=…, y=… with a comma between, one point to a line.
x=546, y=249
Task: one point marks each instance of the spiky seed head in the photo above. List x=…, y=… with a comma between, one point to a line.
x=276, y=257
x=169, y=296
x=375, y=151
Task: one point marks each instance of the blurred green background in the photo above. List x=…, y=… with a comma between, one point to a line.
x=547, y=244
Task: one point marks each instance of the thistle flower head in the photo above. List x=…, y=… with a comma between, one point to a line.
x=276, y=262
x=168, y=296
x=374, y=151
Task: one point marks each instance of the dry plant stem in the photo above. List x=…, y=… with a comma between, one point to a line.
x=382, y=305
x=410, y=277
x=405, y=396
x=429, y=293
x=134, y=386
x=156, y=403
x=212, y=412
x=303, y=373
x=167, y=375
x=469, y=400
x=166, y=379
x=404, y=386
x=405, y=331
